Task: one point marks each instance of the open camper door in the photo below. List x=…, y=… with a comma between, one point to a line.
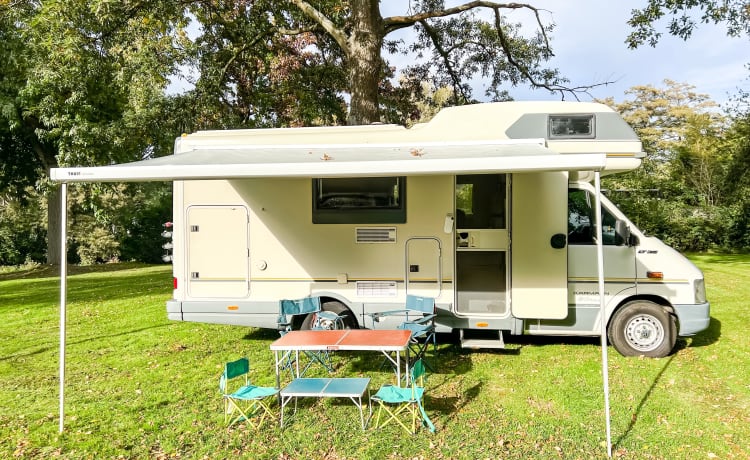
x=539, y=262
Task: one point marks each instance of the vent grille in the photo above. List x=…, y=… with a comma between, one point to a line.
x=376, y=234
x=376, y=288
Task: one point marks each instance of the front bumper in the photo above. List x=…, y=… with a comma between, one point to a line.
x=693, y=318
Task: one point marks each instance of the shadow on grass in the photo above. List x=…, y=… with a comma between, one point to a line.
x=259, y=334
x=708, y=337
x=53, y=271
x=68, y=343
x=644, y=399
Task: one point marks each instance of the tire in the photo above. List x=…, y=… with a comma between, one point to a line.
x=642, y=328
x=332, y=306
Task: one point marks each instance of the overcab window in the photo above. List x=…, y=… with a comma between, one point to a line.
x=359, y=200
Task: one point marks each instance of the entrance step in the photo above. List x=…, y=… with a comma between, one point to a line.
x=473, y=338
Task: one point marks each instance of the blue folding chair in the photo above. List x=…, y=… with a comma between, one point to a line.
x=419, y=320
x=246, y=401
x=398, y=401
x=319, y=320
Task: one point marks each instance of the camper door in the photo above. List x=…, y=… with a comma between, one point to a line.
x=217, y=251
x=539, y=275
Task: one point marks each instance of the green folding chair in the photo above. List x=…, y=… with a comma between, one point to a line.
x=418, y=317
x=320, y=320
x=248, y=402
x=403, y=404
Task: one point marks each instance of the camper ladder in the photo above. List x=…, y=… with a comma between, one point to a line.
x=473, y=338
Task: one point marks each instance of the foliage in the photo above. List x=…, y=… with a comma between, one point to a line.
x=689, y=190
x=85, y=86
x=141, y=386
x=123, y=222
x=684, y=17
x=22, y=237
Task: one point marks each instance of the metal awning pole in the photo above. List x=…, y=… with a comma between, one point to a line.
x=602, y=309
x=63, y=293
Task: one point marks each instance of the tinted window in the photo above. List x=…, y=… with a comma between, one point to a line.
x=359, y=200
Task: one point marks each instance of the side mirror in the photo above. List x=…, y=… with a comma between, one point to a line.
x=624, y=237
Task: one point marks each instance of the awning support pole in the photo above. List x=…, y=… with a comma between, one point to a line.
x=602, y=309
x=63, y=293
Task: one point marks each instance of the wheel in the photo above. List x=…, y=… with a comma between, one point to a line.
x=642, y=328
x=332, y=306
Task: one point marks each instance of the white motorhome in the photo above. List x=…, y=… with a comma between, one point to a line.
x=488, y=208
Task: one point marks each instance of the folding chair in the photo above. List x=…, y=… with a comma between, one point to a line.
x=247, y=400
x=419, y=319
x=404, y=402
x=320, y=320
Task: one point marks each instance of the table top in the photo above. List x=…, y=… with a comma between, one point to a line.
x=344, y=339
x=331, y=387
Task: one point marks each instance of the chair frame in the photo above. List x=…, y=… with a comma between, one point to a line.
x=311, y=305
x=407, y=400
x=419, y=318
x=247, y=400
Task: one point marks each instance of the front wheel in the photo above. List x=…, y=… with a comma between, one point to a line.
x=642, y=328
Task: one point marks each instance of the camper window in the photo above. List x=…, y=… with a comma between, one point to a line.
x=480, y=201
x=359, y=200
x=571, y=126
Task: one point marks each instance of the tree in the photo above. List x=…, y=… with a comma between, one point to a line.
x=85, y=86
x=253, y=76
x=349, y=38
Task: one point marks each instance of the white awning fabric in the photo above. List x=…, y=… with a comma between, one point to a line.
x=339, y=160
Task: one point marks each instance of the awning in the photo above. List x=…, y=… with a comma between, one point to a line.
x=340, y=160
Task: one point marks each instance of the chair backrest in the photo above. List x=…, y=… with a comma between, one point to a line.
x=292, y=307
x=418, y=375
x=417, y=370
x=234, y=369
x=299, y=306
x=425, y=305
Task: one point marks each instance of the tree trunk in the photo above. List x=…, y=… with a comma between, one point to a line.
x=365, y=63
x=54, y=226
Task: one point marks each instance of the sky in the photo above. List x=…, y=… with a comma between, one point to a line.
x=589, y=46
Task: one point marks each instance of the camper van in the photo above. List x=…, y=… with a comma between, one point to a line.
x=488, y=208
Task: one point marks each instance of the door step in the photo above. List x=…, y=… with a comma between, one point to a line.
x=472, y=338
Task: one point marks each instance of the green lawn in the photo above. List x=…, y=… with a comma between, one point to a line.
x=140, y=386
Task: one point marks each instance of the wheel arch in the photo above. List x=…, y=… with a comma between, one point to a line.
x=645, y=297
x=334, y=297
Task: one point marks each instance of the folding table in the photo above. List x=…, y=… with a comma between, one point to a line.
x=386, y=341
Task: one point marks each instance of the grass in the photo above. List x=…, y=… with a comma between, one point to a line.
x=141, y=386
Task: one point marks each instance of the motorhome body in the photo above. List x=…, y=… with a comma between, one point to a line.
x=489, y=208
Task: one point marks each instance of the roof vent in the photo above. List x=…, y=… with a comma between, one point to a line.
x=376, y=234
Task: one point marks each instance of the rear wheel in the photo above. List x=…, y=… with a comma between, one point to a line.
x=332, y=306
x=642, y=328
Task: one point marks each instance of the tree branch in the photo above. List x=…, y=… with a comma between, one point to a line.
x=338, y=34
x=445, y=55
x=399, y=22
x=555, y=88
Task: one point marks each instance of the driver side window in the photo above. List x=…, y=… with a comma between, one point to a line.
x=581, y=220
